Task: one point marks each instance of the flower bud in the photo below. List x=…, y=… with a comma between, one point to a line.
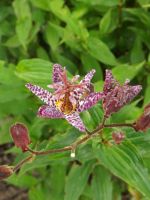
x=143, y=123
x=5, y=171
x=118, y=137
x=19, y=133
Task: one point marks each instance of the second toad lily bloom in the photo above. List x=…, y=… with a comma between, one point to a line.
x=69, y=97
x=116, y=95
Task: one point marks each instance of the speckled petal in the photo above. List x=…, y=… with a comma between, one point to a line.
x=90, y=101
x=110, y=82
x=44, y=95
x=57, y=73
x=75, y=120
x=88, y=77
x=46, y=111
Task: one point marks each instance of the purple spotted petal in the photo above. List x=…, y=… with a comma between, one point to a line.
x=46, y=111
x=110, y=82
x=90, y=101
x=57, y=73
x=44, y=95
x=88, y=77
x=118, y=97
x=75, y=120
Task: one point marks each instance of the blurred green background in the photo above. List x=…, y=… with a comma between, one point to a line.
x=81, y=35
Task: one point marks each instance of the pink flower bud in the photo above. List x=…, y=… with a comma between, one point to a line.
x=5, y=171
x=143, y=123
x=118, y=137
x=19, y=133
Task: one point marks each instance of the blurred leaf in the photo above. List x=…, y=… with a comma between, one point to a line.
x=76, y=181
x=100, y=51
x=100, y=2
x=101, y=184
x=58, y=173
x=124, y=161
x=132, y=71
x=147, y=93
x=53, y=33
x=109, y=22
x=35, y=71
x=89, y=63
x=24, y=20
x=137, y=53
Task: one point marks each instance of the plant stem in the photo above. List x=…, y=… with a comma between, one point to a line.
x=19, y=165
x=74, y=145
x=118, y=125
x=50, y=151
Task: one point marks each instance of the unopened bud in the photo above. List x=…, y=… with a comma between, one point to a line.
x=19, y=133
x=143, y=123
x=5, y=171
x=118, y=137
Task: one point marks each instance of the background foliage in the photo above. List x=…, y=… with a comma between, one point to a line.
x=79, y=34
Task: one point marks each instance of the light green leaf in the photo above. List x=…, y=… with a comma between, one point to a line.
x=101, y=184
x=125, y=162
x=109, y=22
x=35, y=71
x=126, y=71
x=100, y=51
x=137, y=53
x=89, y=63
x=53, y=34
x=77, y=180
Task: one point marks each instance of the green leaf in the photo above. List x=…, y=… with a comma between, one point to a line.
x=100, y=51
x=76, y=181
x=109, y=21
x=131, y=71
x=24, y=21
x=147, y=93
x=100, y=2
x=124, y=161
x=35, y=71
x=101, y=184
x=58, y=173
x=41, y=4
x=89, y=63
x=53, y=34
x=137, y=53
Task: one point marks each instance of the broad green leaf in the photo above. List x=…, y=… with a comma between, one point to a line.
x=147, y=93
x=125, y=162
x=24, y=21
x=35, y=71
x=41, y=4
x=100, y=51
x=109, y=22
x=100, y=2
x=101, y=184
x=53, y=33
x=58, y=174
x=25, y=181
x=137, y=53
x=89, y=63
x=141, y=15
x=77, y=180
x=37, y=193
x=126, y=71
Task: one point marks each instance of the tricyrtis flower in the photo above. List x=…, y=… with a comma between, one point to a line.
x=143, y=123
x=69, y=97
x=116, y=95
x=19, y=133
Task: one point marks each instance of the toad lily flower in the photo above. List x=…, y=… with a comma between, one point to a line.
x=116, y=95
x=69, y=97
